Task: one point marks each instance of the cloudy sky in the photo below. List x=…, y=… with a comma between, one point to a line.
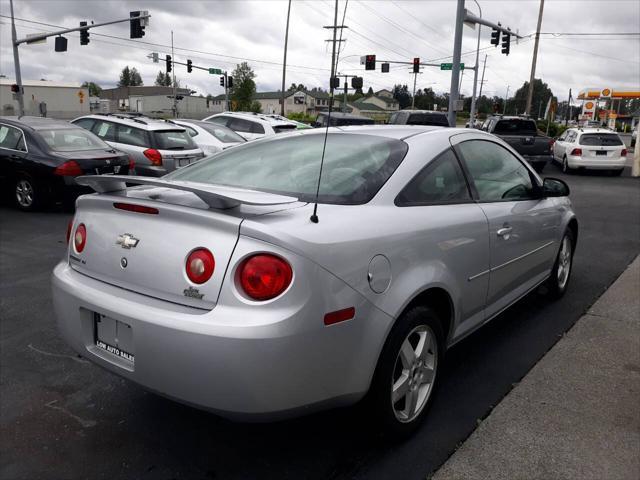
x=223, y=33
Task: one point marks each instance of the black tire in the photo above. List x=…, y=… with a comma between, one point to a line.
x=555, y=286
x=538, y=167
x=565, y=166
x=616, y=173
x=28, y=195
x=379, y=399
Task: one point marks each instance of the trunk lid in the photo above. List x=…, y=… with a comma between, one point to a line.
x=98, y=162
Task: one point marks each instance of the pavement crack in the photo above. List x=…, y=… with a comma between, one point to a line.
x=84, y=423
x=72, y=357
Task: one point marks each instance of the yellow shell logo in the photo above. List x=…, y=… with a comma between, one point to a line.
x=606, y=92
x=589, y=105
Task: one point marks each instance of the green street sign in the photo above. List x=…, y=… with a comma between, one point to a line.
x=449, y=66
x=215, y=71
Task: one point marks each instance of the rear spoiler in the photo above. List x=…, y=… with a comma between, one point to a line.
x=215, y=196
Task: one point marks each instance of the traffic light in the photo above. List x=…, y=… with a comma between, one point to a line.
x=15, y=88
x=506, y=41
x=495, y=37
x=334, y=82
x=222, y=81
x=416, y=65
x=385, y=68
x=229, y=82
x=84, y=34
x=370, y=62
x=61, y=44
x=136, y=25
x=356, y=82
x=189, y=67
x=167, y=59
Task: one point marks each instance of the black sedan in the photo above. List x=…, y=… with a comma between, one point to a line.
x=40, y=158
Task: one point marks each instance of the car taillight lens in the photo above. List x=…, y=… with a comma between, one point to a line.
x=68, y=169
x=200, y=265
x=132, y=164
x=69, y=226
x=154, y=156
x=576, y=151
x=80, y=238
x=131, y=207
x=623, y=153
x=264, y=276
x=551, y=142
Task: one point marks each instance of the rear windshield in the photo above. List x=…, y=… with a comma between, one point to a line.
x=225, y=135
x=516, y=126
x=343, y=122
x=284, y=128
x=355, y=167
x=600, y=140
x=428, y=119
x=72, y=140
x=173, y=140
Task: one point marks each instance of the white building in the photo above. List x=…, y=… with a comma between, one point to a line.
x=62, y=100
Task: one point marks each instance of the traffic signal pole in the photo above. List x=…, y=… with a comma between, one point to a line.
x=454, y=92
x=472, y=113
x=16, y=64
x=527, y=109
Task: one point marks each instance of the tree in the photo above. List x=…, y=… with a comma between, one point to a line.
x=94, y=89
x=163, y=79
x=244, y=88
x=402, y=95
x=541, y=95
x=256, y=107
x=129, y=77
x=370, y=92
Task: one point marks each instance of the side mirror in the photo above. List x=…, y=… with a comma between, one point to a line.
x=554, y=187
x=315, y=124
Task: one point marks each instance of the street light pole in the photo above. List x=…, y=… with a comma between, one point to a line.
x=527, y=110
x=455, y=69
x=284, y=62
x=16, y=64
x=472, y=113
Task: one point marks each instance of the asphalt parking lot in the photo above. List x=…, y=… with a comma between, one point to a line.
x=63, y=417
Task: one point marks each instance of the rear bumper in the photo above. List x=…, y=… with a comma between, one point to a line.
x=150, y=170
x=226, y=360
x=537, y=159
x=596, y=163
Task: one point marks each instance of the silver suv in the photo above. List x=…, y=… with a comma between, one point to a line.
x=157, y=147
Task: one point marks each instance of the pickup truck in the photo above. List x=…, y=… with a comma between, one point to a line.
x=523, y=135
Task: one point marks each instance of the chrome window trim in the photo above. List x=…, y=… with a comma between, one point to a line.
x=24, y=138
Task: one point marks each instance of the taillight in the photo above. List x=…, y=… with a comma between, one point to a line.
x=623, y=153
x=132, y=164
x=80, y=238
x=551, y=142
x=576, y=151
x=68, y=169
x=154, y=156
x=200, y=265
x=69, y=225
x=264, y=276
x=132, y=207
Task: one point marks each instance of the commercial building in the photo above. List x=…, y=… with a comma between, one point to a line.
x=62, y=100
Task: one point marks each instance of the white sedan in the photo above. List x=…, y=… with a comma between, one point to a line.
x=210, y=137
x=594, y=148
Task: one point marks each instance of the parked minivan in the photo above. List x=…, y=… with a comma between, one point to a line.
x=157, y=147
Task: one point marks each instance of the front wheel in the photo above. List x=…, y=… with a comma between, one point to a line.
x=407, y=372
x=559, y=279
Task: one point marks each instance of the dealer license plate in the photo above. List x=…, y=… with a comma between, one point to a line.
x=114, y=336
x=601, y=153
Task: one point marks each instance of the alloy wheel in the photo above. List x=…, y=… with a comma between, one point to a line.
x=414, y=373
x=564, y=262
x=24, y=193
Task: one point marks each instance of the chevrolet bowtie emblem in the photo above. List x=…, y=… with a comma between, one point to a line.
x=127, y=241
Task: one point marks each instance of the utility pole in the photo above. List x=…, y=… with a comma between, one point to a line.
x=506, y=99
x=566, y=120
x=284, y=62
x=455, y=69
x=226, y=92
x=335, y=28
x=413, y=97
x=346, y=88
x=175, y=98
x=16, y=64
x=472, y=113
x=527, y=110
x=482, y=81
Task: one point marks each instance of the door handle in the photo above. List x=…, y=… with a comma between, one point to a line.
x=504, y=232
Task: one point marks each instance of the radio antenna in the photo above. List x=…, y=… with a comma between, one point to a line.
x=314, y=217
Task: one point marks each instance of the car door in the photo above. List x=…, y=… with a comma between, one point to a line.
x=523, y=225
x=13, y=151
x=448, y=229
x=559, y=146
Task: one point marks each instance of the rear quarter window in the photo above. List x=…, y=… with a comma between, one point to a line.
x=173, y=140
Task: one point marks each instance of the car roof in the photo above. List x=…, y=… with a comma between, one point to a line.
x=425, y=111
x=259, y=117
x=138, y=121
x=37, y=123
x=594, y=130
x=344, y=115
x=398, y=132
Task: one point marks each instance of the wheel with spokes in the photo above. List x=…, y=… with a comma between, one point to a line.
x=559, y=279
x=407, y=371
x=26, y=193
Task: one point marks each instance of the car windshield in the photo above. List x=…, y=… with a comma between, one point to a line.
x=174, y=140
x=225, y=135
x=516, y=126
x=428, y=119
x=600, y=140
x=355, y=166
x=71, y=140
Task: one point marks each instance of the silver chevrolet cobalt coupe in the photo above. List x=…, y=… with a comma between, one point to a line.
x=218, y=286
